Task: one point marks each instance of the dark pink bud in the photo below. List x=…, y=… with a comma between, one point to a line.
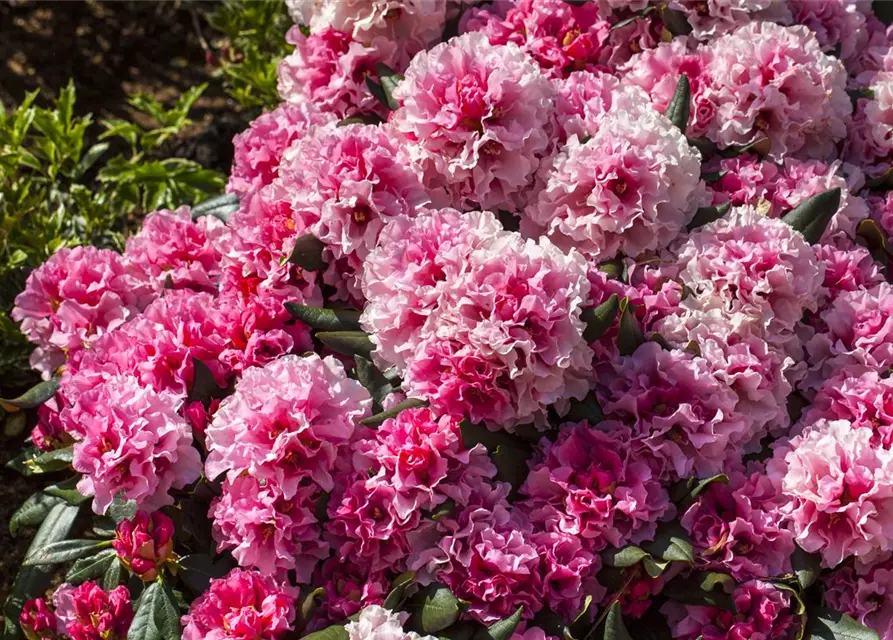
x=144, y=543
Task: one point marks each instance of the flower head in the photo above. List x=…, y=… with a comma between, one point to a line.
x=144, y=543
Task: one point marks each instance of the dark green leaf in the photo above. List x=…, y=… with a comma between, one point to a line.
x=376, y=384
x=378, y=418
x=508, y=452
x=50, y=461
x=157, y=616
x=439, y=608
x=325, y=319
x=675, y=22
x=33, y=397
x=198, y=569
x=599, y=319
x=364, y=118
x=311, y=601
x=350, y=343
x=89, y=159
x=806, y=566
x=874, y=238
x=91, y=568
x=335, y=632
x=628, y=556
x=825, y=624
x=614, y=269
x=679, y=108
x=63, y=551
x=204, y=385
x=671, y=543
x=112, y=576
x=121, y=509
x=586, y=409
x=67, y=490
x=307, y=253
x=32, y=512
x=712, y=579
x=882, y=182
x=396, y=597
x=811, y=217
x=389, y=80
x=221, y=207
x=614, y=627
x=630, y=336
x=503, y=629
x=31, y=581
x=706, y=215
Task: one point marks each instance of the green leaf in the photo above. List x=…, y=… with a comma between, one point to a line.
x=712, y=579
x=685, y=492
x=503, y=629
x=310, y=602
x=121, y=509
x=63, y=551
x=679, y=108
x=198, y=569
x=628, y=556
x=825, y=624
x=671, y=543
x=157, y=616
x=335, y=632
x=378, y=418
x=89, y=159
x=439, y=608
x=599, y=319
x=875, y=239
x=325, y=319
x=221, y=207
x=398, y=588
x=811, y=217
x=307, y=253
x=350, y=343
x=806, y=567
x=706, y=215
x=33, y=397
x=363, y=118
x=675, y=22
x=586, y=409
x=882, y=182
x=614, y=627
x=508, y=452
x=630, y=336
x=378, y=386
x=91, y=568
x=67, y=490
x=50, y=461
x=389, y=80
x=204, y=384
x=32, y=581
x=33, y=511
x=112, y=576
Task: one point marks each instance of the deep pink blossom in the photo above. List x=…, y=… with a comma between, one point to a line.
x=144, y=543
x=243, y=605
x=865, y=592
x=86, y=612
x=37, y=620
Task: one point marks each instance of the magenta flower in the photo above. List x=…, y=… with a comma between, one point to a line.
x=475, y=117
x=863, y=398
x=37, y=620
x=243, y=605
x=717, y=17
x=176, y=253
x=865, y=592
x=72, y=299
x=839, y=489
x=144, y=543
x=131, y=439
x=762, y=612
x=89, y=613
x=348, y=588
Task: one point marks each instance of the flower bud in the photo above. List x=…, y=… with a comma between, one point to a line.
x=144, y=543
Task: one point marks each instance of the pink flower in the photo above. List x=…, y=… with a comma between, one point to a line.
x=589, y=484
x=865, y=399
x=350, y=182
x=131, y=440
x=762, y=611
x=286, y=421
x=37, y=620
x=775, y=189
x=561, y=37
x=507, y=339
x=405, y=276
x=89, y=613
x=677, y=412
x=772, y=81
x=569, y=571
x=839, y=488
x=717, y=17
x=746, y=263
x=475, y=117
x=176, y=253
x=583, y=98
x=49, y=432
x=865, y=592
x=144, y=543
x=328, y=69
x=243, y=605
x=259, y=148
x=267, y=530
x=858, y=331
x=847, y=269
x=74, y=298
x=881, y=211
x=415, y=24
x=378, y=623
x=348, y=588
x=836, y=23
x=631, y=188
x=870, y=140
x=737, y=527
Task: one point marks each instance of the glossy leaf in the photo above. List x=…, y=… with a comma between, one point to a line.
x=825, y=624
x=706, y=215
x=157, y=616
x=630, y=336
x=615, y=629
x=439, y=608
x=811, y=217
x=63, y=551
x=350, y=343
x=92, y=568
x=679, y=108
x=503, y=629
x=599, y=319
x=33, y=397
x=307, y=253
x=33, y=511
x=325, y=319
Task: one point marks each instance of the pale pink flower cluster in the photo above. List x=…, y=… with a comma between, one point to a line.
x=378, y=623
x=475, y=117
x=496, y=334
x=870, y=140
x=630, y=188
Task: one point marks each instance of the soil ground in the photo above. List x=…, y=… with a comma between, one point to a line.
x=109, y=49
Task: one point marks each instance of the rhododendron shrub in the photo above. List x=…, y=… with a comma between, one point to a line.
x=520, y=320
